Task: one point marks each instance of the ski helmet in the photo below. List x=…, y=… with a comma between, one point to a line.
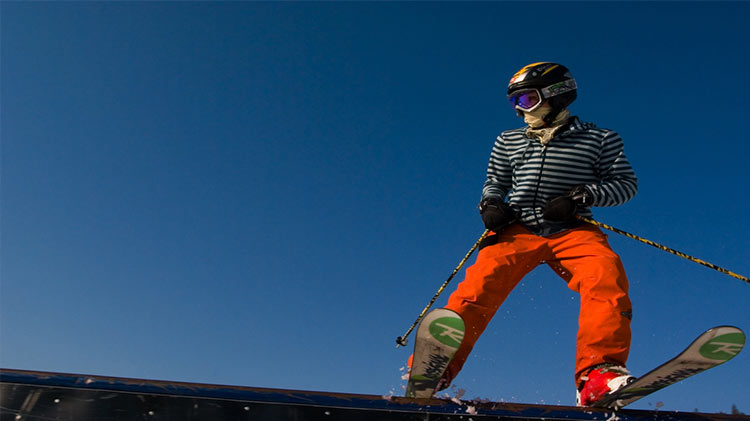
x=537, y=82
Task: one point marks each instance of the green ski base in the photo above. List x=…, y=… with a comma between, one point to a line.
x=438, y=338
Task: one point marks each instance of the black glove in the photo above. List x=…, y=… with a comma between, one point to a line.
x=496, y=214
x=564, y=208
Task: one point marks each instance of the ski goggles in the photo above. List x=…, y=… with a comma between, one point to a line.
x=530, y=99
x=526, y=100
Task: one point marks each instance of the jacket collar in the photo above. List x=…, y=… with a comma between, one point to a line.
x=574, y=125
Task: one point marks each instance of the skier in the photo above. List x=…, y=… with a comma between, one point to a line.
x=540, y=177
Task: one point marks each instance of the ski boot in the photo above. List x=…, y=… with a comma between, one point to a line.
x=601, y=380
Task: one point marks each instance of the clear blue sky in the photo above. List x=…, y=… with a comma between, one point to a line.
x=267, y=194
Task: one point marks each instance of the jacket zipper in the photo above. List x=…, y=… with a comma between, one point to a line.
x=538, y=183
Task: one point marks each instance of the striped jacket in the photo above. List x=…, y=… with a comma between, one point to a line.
x=527, y=174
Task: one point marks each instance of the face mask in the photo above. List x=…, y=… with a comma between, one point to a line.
x=535, y=119
x=545, y=134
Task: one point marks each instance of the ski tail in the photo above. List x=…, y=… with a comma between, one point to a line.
x=438, y=338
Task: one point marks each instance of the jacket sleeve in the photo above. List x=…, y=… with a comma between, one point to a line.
x=499, y=174
x=618, y=182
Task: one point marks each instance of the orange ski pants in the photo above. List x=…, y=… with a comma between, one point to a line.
x=582, y=257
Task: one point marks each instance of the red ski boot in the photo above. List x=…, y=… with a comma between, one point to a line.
x=600, y=381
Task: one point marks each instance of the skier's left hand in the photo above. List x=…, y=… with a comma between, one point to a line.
x=564, y=208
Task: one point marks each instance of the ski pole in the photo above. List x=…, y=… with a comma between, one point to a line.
x=667, y=249
x=401, y=340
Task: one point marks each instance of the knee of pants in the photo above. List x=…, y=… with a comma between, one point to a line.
x=600, y=277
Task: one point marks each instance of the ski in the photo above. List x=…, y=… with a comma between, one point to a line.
x=438, y=338
x=715, y=346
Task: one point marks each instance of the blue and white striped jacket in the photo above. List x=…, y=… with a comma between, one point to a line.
x=527, y=174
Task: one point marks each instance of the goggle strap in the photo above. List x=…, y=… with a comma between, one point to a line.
x=559, y=88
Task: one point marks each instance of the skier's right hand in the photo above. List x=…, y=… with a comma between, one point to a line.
x=496, y=214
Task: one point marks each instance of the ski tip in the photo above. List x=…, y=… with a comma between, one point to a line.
x=726, y=329
x=721, y=343
x=442, y=312
x=738, y=334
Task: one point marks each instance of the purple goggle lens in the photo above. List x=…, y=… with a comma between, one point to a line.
x=526, y=100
